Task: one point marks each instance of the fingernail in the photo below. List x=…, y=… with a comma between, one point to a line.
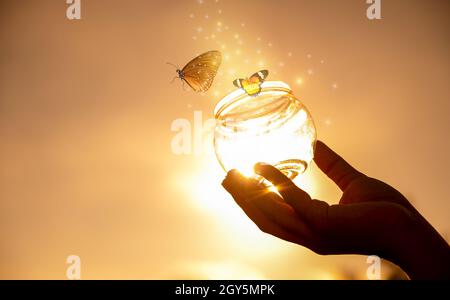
x=230, y=175
x=258, y=166
x=231, y=172
x=225, y=184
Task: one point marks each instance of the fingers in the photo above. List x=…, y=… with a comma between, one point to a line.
x=283, y=184
x=238, y=192
x=279, y=212
x=313, y=212
x=270, y=214
x=334, y=166
x=296, y=197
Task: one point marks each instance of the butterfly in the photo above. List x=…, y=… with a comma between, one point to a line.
x=252, y=85
x=199, y=73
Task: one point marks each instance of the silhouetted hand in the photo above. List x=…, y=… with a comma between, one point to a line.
x=371, y=217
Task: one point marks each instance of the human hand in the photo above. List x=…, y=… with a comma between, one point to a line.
x=371, y=217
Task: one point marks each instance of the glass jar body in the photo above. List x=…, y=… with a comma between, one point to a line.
x=273, y=127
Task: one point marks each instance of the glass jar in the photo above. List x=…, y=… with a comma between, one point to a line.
x=273, y=127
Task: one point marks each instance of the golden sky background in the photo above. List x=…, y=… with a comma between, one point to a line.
x=86, y=108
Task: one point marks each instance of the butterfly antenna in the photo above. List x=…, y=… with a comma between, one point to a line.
x=173, y=65
x=174, y=79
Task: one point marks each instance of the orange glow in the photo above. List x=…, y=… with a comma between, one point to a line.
x=86, y=107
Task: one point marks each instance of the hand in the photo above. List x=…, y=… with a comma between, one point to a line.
x=371, y=217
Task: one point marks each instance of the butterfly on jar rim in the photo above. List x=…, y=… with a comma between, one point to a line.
x=199, y=73
x=252, y=85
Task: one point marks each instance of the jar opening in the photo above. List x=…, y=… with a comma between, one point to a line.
x=238, y=104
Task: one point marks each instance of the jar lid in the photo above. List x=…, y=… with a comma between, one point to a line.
x=240, y=94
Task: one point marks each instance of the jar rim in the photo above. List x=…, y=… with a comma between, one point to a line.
x=240, y=94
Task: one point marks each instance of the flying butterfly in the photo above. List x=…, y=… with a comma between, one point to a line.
x=252, y=85
x=199, y=73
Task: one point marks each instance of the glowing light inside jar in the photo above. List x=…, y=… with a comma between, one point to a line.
x=274, y=127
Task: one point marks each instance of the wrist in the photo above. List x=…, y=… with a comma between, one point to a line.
x=419, y=250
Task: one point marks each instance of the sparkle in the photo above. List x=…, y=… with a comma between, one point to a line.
x=270, y=44
x=308, y=56
x=194, y=38
x=261, y=63
x=219, y=24
x=240, y=42
x=191, y=16
x=238, y=52
x=299, y=81
x=334, y=86
x=327, y=122
x=242, y=24
x=206, y=17
x=322, y=61
x=199, y=29
x=281, y=64
x=219, y=11
x=223, y=46
x=310, y=71
x=258, y=39
x=289, y=54
x=200, y=1
x=213, y=36
x=236, y=36
x=258, y=51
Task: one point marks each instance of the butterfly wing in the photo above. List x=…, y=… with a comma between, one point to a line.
x=193, y=83
x=253, y=86
x=239, y=83
x=249, y=87
x=259, y=76
x=199, y=73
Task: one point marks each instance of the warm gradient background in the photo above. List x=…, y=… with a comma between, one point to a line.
x=86, y=107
